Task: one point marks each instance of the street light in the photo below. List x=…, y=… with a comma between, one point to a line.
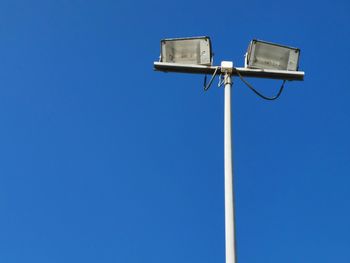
x=263, y=60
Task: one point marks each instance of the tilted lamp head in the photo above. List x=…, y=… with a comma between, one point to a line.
x=266, y=55
x=194, y=51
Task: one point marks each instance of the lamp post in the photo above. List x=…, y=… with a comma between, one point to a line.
x=230, y=226
x=263, y=60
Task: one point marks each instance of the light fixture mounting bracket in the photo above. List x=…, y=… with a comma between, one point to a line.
x=227, y=67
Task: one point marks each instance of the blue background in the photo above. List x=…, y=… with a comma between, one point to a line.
x=104, y=160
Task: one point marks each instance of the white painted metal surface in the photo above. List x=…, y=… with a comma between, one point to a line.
x=245, y=72
x=230, y=235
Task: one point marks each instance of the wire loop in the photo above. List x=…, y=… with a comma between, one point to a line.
x=257, y=92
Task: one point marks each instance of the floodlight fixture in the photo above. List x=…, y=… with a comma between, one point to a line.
x=263, y=60
x=266, y=55
x=192, y=50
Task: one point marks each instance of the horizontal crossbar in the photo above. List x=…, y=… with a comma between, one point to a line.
x=245, y=72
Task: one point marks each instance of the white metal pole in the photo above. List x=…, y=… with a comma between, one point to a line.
x=230, y=235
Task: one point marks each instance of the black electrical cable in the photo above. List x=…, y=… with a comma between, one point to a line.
x=207, y=86
x=258, y=93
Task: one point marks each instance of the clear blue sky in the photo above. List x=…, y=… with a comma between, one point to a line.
x=104, y=160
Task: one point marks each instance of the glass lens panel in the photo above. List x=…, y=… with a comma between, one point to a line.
x=270, y=57
x=186, y=51
x=182, y=51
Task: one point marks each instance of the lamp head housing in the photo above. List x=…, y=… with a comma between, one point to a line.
x=266, y=55
x=192, y=50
